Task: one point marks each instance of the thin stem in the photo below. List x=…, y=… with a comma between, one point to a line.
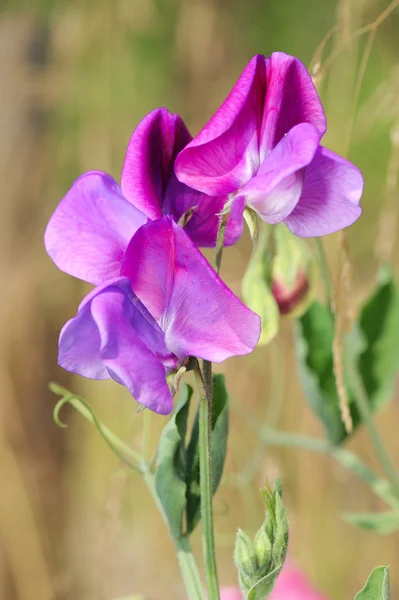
x=382, y=488
x=189, y=570
x=362, y=403
x=185, y=556
x=146, y=434
x=325, y=271
x=208, y=538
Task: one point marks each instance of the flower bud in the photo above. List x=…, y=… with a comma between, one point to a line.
x=292, y=273
x=263, y=547
x=259, y=562
x=245, y=557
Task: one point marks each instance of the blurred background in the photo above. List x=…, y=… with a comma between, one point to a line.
x=76, y=78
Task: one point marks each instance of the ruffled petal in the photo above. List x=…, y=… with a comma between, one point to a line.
x=330, y=196
x=198, y=313
x=277, y=187
x=90, y=229
x=113, y=335
x=224, y=155
x=149, y=160
x=291, y=99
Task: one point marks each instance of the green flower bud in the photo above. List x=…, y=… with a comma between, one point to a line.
x=263, y=549
x=245, y=556
x=259, y=562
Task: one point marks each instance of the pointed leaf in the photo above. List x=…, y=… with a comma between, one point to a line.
x=220, y=427
x=377, y=586
x=170, y=482
x=374, y=347
x=379, y=324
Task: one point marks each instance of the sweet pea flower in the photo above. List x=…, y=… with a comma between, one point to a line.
x=97, y=217
x=165, y=304
x=290, y=585
x=262, y=149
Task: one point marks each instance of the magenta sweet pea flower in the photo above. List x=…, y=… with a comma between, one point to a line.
x=290, y=585
x=262, y=149
x=97, y=217
x=166, y=304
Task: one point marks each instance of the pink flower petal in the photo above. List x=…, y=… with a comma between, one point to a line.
x=198, y=313
x=224, y=155
x=291, y=98
x=114, y=336
x=330, y=197
x=90, y=229
x=277, y=187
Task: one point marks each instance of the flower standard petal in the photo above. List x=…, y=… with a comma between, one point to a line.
x=198, y=313
x=149, y=160
x=150, y=183
x=89, y=231
x=113, y=335
x=277, y=187
x=291, y=99
x=330, y=196
x=224, y=155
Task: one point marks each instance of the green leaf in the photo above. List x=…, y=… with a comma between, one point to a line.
x=170, y=481
x=379, y=324
x=220, y=428
x=374, y=347
x=264, y=587
x=377, y=586
x=384, y=522
x=314, y=338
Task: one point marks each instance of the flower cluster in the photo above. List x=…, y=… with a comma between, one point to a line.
x=157, y=301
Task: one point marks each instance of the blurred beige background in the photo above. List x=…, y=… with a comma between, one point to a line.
x=75, y=79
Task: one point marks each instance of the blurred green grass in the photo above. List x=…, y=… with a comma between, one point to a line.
x=77, y=78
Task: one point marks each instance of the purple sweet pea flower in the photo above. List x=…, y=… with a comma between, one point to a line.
x=166, y=304
x=97, y=217
x=290, y=585
x=262, y=148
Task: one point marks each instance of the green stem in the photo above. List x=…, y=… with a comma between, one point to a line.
x=189, y=570
x=325, y=271
x=208, y=538
x=345, y=458
x=362, y=403
x=185, y=556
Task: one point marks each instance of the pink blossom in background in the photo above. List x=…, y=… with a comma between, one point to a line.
x=291, y=585
x=262, y=149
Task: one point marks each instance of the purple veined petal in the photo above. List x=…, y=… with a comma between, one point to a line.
x=224, y=155
x=149, y=160
x=291, y=99
x=90, y=229
x=200, y=315
x=277, y=187
x=330, y=196
x=113, y=335
x=149, y=265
